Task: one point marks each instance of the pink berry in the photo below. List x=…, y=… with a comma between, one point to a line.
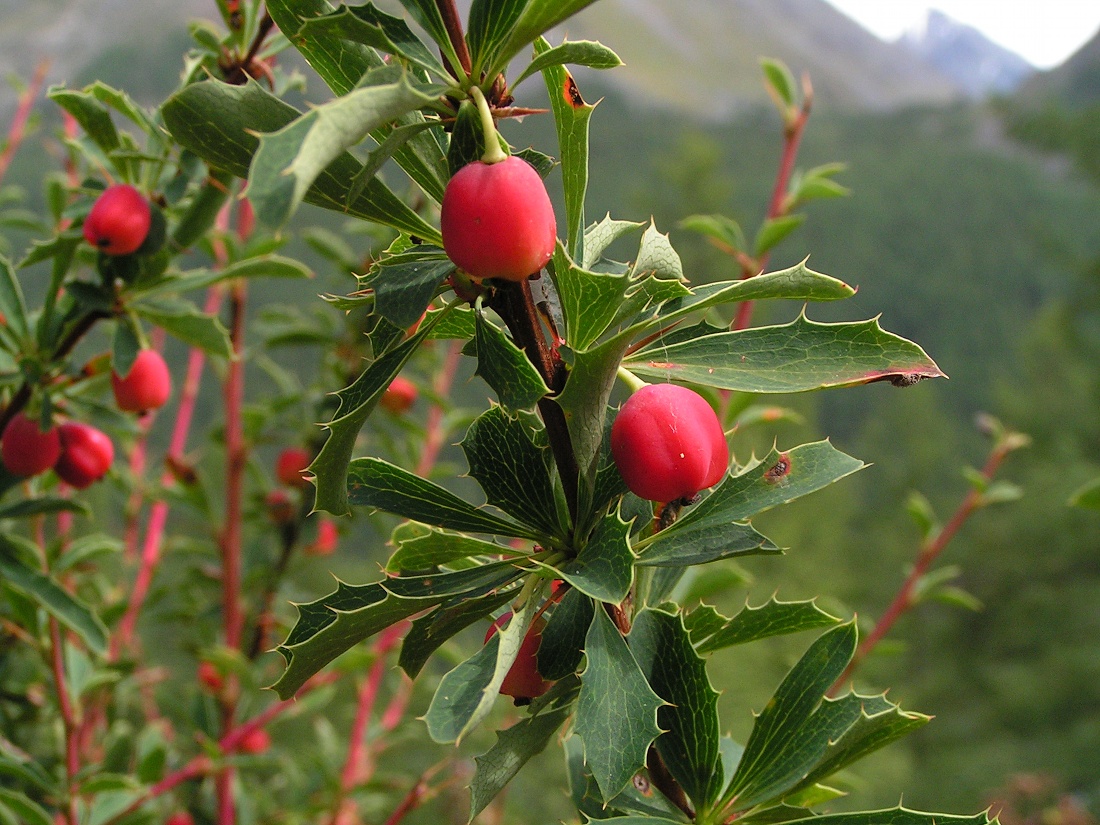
x=119, y=220
x=497, y=220
x=210, y=677
x=668, y=444
x=290, y=465
x=255, y=741
x=399, y=396
x=27, y=450
x=86, y=454
x=328, y=537
x=147, y=385
x=523, y=680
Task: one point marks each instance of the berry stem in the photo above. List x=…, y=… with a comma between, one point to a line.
x=631, y=380
x=493, y=153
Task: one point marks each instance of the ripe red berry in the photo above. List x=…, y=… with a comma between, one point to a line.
x=26, y=450
x=523, y=680
x=497, y=220
x=86, y=454
x=119, y=220
x=668, y=444
x=180, y=818
x=255, y=741
x=210, y=677
x=290, y=465
x=328, y=537
x=147, y=385
x=399, y=396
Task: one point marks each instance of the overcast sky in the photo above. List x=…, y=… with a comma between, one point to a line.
x=1044, y=32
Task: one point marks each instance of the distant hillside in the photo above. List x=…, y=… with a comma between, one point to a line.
x=1076, y=82
x=707, y=61
x=974, y=62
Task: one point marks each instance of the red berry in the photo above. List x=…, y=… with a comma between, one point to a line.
x=147, y=385
x=210, y=677
x=118, y=221
x=290, y=465
x=523, y=680
x=497, y=220
x=668, y=444
x=180, y=818
x=86, y=454
x=257, y=740
x=399, y=396
x=328, y=537
x=26, y=450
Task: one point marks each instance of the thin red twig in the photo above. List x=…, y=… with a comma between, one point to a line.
x=18, y=128
x=433, y=439
x=930, y=551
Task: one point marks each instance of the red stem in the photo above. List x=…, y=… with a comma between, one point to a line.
x=792, y=139
x=453, y=24
x=138, y=457
x=930, y=550
x=18, y=128
x=68, y=716
x=236, y=456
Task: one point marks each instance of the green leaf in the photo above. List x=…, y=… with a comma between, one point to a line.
x=94, y=118
x=125, y=345
x=803, y=355
x=725, y=232
x=604, y=568
x=490, y=22
x=571, y=117
x=27, y=811
x=599, y=236
x=562, y=646
x=12, y=305
x=894, y=816
x=259, y=266
x=780, y=79
x=426, y=13
x=357, y=402
x=437, y=586
x=187, y=323
x=774, y=230
x=690, y=744
x=42, y=505
x=781, y=748
x=579, y=53
x=589, y=300
x=506, y=368
x=640, y=804
x=466, y=694
x=420, y=548
x=616, y=710
x=28, y=772
x=219, y=123
x=773, y=618
x=375, y=483
x=511, y=461
x=404, y=284
x=780, y=478
x=393, y=143
x=703, y=547
x=514, y=747
x=656, y=257
x=333, y=624
x=538, y=16
x=371, y=27
x=51, y=597
x=429, y=633
x=289, y=160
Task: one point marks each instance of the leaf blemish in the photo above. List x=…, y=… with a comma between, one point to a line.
x=778, y=471
x=571, y=93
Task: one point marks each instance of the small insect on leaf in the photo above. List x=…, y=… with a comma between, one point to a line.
x=778, y=471
x=571, y=93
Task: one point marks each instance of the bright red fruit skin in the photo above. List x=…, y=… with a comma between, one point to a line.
x=523, y=680
x=86, y=454
x=497, y=220
x=118, y=221
x=399, y=396
x=210, y=677
x=147, y=385
x=256, y=741
x=668, y=443
x=290, y=465
x=180, y=818
x=26, y=450
x=328, y=537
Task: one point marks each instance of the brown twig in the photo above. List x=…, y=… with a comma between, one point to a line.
x=453, y=24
